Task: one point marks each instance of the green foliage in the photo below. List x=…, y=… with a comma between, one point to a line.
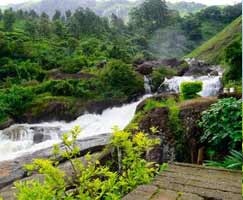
x=8, y=19
x=160, y=74
x=213, y=51
x=222, y=125
x=15, y=101
x=92, y=180
x=233, y=56
x=121, y=78
x=232, y=161
x=155, y=11
x=235, y=84
x=189, y=90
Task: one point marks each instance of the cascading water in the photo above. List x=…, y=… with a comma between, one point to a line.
x=25, y=138
x=147, y=85
x=20, y=139
x=211, y=84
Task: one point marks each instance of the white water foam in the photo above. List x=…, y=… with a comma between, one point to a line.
x=211, y=84
x=18, y=139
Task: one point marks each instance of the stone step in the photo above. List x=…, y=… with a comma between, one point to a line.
x=191, y=182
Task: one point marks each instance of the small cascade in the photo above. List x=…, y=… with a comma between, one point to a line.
x=20, y=139
x=147, y=85
x=211, y=84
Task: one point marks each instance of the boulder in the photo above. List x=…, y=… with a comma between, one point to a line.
x=101, y=64
x=145, y=69
x=62, y=109
x=13, y=170
x=58, y=75
x=183, y=147
x=5, y=124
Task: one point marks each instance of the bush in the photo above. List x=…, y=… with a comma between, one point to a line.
x=233, y=56
x=124, y=172
x=232, y=161
x=56, y=88
x=15, y=100
x=222, y=126
x=121, y=78
x=74, y=65
x=189, y=90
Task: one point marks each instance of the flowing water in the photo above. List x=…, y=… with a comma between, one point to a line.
x=147, y=85
x=22, y=138
x=211, y=84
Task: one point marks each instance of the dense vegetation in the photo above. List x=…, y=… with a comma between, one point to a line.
x=92, y=180
x=222, y=126
x=82, y=57
x=93, y=54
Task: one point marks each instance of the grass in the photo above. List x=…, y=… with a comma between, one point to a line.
x=213, y=50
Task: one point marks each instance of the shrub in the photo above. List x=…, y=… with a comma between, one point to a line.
x=189, y=90
x=233, y=56
x=74, y=64
x=124, y=172
x=56, y=88
x=222, y=125
x=15, y=100
x=121, y=78
x=232, y=161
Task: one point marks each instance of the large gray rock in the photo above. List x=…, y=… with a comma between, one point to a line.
x=12, y=170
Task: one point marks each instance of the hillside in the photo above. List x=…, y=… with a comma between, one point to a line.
x=186, y=7
x=213, y=50
x=103, y=8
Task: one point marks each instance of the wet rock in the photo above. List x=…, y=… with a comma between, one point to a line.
x=145, y=69
x=6, y=123
x=62, y=110
x=101, y=64
x=182, y=148
x=38, y=138
x=236, y=95
x=13, y=170
x=58, y=75
x=173, y=62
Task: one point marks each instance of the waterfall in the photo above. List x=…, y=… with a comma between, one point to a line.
x=147, y=85
x=211, y=84
x=24, y=138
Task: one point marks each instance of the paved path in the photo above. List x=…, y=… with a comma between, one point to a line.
x=191, y=182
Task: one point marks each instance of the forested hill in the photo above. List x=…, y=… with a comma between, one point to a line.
x=65, y=62
x=213, y=51
x=103, y=8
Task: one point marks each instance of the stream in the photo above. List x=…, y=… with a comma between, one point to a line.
x=20, y=139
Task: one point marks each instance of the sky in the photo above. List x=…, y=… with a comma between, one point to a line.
x=208, y=2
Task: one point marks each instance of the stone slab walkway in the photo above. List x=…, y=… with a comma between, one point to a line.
x=191, y=182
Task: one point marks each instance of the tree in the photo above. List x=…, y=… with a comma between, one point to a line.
x=33, y=14
x=233, y=56
x=8, y=20
x=68, y=14
x=59, y=28
x=117, y=23
x=150, y=15
x=31, y=27
x=44, y=25
x=120, y=77
x=1, y=15
x=56, y=16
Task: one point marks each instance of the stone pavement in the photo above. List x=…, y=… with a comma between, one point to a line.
x=191, y=182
